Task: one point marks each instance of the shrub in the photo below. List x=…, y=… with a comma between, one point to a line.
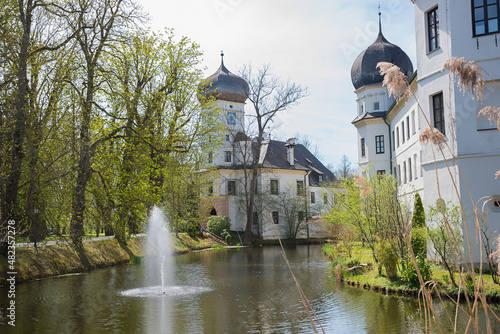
x=192, y=228
x=217, y=224
x=409, y=273
x=418, y=218
x=388, y=259
x=419, y=241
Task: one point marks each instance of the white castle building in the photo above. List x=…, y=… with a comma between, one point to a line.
x=388, y=132
x=287, y=171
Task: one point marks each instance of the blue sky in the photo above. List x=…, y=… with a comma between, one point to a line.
x=314, y=43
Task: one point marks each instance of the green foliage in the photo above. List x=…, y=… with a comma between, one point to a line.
x=418, y=218
x=217, y=224
x=372, y=207
x=192, y=228
x=409, y=273
x=387, y=258
x=445, y=233
x=419, y=241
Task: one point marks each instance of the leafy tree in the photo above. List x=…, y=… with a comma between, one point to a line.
x=373, y=208
x=445, y=233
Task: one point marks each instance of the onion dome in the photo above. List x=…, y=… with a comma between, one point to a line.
x=364, y=71
x=224, y=85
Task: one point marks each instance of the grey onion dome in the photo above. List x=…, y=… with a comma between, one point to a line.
x=364, y=71
x=224, y=85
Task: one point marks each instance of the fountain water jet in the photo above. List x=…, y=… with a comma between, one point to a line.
x=159, y=263
x=158, y=251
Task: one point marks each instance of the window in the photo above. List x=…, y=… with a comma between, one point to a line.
x=379, y=144
x=313, y=198
x=381, y=172
x=397, y=136
x=274, y=187
x=404, y=171
x=300, y=188
x=410, y=170
x=421, y=167
x=415, y=170
x=407, y=127
x=276, y=217
x=325, y=199
x=433, y=29
x=301, y=216
x=361, y=109
x=413, y=128
x=227, y=156
x=485, y=17
x=255, y=218
x=210, y=158
x=395, y=174
x=393, y=141
x=403, y=131
x=231, y=187
x=399, y=174
x=438, y=112
x=363, y=147
x=227, y=137
x=210, y=189
x=376, y=106
x=320, y=178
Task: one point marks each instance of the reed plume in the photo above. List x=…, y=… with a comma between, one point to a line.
x=432, y=136
x=470, y=78
x=493, y=114
x=395, y=81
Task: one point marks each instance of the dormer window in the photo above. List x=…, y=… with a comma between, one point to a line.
x=320, y=178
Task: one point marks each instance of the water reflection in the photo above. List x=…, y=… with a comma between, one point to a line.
x=237, y=291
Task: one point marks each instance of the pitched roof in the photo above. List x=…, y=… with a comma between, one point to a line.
x=276, y=157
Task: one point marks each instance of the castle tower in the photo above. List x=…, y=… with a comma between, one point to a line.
x=230, y=93
x=374, y=134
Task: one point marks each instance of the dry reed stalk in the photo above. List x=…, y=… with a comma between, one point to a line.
x=303, y=297
x=470, y=80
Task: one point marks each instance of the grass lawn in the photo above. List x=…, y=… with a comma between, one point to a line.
x=371, y=274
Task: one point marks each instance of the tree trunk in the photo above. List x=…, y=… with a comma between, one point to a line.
x=83, y=168
x=12, y=186
x=253, y=186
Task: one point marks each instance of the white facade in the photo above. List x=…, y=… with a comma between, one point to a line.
x=473, y=141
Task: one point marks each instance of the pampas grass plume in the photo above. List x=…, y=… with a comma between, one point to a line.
x=432, y=136
x=469, y=76
x=395, y=81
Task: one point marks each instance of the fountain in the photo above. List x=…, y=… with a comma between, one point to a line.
x=159, y=263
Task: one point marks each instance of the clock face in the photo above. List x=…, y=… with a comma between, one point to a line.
x=231, y=118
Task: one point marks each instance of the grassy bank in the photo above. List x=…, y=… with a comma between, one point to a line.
x=54, y=260
x=369, y=277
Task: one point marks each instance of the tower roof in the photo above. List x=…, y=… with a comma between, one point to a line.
x=364, y=71
x=227, y=86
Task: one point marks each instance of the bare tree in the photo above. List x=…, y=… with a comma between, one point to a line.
x=268, y=95
x=344, y=169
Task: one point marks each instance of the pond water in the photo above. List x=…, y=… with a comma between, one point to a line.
x=221, y=291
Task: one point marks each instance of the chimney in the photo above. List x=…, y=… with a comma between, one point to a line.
x=290, y=146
